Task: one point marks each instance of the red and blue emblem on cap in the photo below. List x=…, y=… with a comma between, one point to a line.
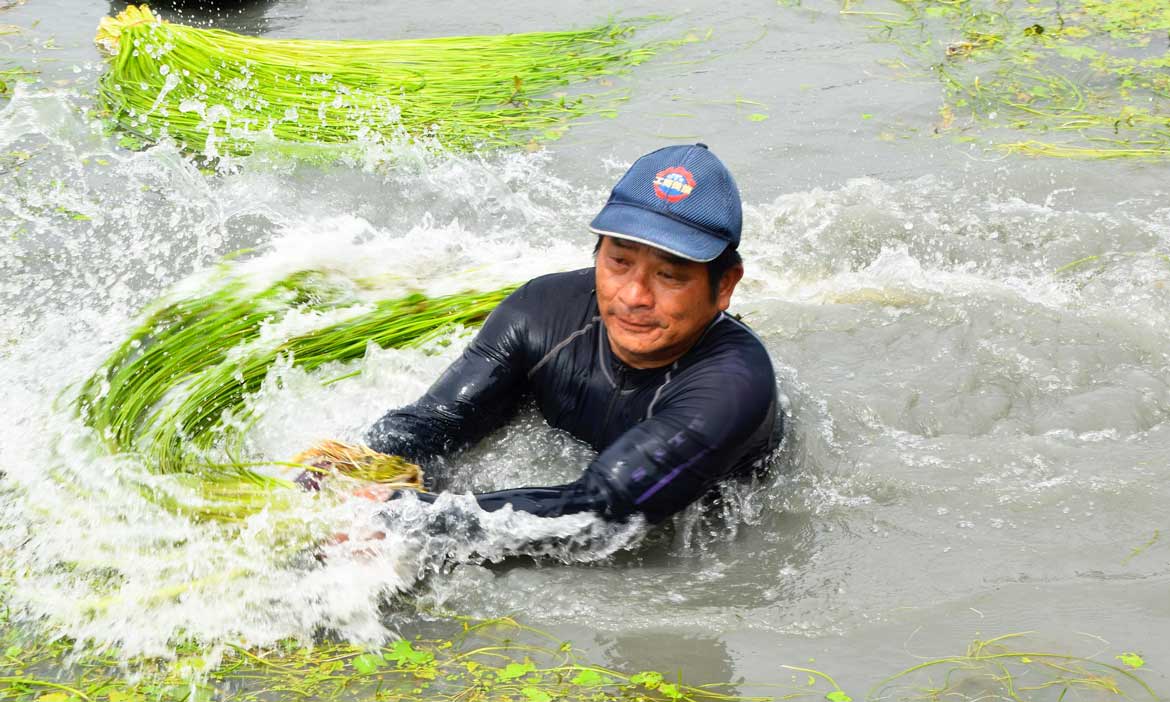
x=674, y=184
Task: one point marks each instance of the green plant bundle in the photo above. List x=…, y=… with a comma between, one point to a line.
x=208, y=87
x=1079, y=78
x=175, y=393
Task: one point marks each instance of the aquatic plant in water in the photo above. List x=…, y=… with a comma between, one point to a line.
x=501, y=659
x=217, y=92
x=175, y=392
x=1080, y=78
x=10, y=76
x=498, y=659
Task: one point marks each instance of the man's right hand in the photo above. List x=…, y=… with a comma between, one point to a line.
x=378, y=492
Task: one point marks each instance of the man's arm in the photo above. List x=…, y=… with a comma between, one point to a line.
x=476, y=393
x=664, y=463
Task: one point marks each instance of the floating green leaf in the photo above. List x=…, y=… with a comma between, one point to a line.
x=515, y=670
x=535, y=694
x=368, y=663
x=588, y=678
x=1133, y=660
x=404, y=653
x=648, y=679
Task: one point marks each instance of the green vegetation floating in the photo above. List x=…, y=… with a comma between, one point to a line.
x=502, y=660
x=175, y=393
x=1078, y=78
x=10, y=76
x=497, y=660
x=215, y=92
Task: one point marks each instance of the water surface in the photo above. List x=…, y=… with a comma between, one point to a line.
x=977, y=433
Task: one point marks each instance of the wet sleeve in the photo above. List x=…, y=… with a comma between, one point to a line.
x=664, y=463
x=477, y=393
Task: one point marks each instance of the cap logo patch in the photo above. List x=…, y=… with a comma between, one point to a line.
x=674, y=184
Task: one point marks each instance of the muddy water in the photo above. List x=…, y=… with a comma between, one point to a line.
x=977, y=432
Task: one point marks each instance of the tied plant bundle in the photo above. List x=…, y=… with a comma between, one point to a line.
x=329, y=457
x=216, y=92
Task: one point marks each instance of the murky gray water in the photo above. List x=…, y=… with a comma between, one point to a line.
x=977, y=438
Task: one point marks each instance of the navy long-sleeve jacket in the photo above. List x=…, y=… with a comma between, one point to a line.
x=664, y=436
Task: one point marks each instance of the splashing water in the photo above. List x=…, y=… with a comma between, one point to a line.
x=105, y=564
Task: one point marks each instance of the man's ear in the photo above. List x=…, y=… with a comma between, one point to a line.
x=727, y=283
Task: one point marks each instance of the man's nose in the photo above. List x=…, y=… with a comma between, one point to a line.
x=636, y=293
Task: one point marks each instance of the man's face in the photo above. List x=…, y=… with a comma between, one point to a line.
x=655, y=305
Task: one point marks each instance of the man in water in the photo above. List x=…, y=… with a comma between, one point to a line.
x=635, y=356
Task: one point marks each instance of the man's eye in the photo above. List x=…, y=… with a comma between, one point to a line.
x=667, y=275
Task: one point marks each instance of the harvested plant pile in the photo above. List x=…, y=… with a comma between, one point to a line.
x=1079, y=78
x=175, y=392
x=216, y=92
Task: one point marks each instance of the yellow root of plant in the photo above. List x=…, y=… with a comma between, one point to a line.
x=110, y=28
x=361, y=463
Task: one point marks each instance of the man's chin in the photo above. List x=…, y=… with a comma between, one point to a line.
x=637, y=342
x=638, y=351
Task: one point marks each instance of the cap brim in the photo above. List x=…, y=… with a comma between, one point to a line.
x=651, y=228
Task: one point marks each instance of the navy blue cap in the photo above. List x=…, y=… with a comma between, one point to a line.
x=681, y=199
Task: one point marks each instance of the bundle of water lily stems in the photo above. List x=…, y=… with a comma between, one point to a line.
x=216, y=92
x=175, y=393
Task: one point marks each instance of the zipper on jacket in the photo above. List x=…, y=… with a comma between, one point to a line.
x=620, y=383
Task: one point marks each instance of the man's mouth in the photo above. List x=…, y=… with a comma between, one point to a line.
x=636, y=325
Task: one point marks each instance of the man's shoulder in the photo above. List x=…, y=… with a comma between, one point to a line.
x=547, y=307
x=727, y=378
x=731, y=347
x=552, y=296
